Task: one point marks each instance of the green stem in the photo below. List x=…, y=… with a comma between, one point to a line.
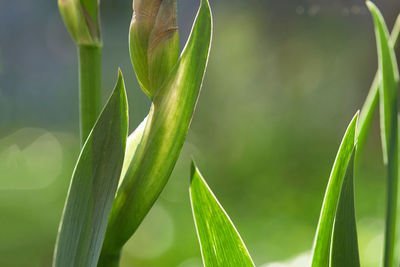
x=391, y=229
x=89, y=87
x=109, y=260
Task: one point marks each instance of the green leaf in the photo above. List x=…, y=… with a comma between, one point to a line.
x=371, y=102
x=220, y=242
x=389, y=74
x=344, y=250
x=93, y=185
x=322, y=242
x=165, y=132
x=389, y=130
x=132, y=144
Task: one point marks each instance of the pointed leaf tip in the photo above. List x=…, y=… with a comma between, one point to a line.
x=93, y=186
x=120, y=79
x=323, y=237
x=344, y=247
x=193, y=168
x=220, y=242
x=153, y=164
x=388, y=94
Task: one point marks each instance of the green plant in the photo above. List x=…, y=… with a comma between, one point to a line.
x=163, y=137
x=221, y=244
x=118, y=177
x=95, y=224
x=83, y=22
x=336, y=242
x=93, y=185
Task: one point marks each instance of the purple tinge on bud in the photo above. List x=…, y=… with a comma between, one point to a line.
x=154, y=42
x=81, y=20
x=90, y=9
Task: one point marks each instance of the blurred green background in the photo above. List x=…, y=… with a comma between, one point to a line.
x=283, y=81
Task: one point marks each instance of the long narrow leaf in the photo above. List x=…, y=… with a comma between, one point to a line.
x=371, y=102
x=164, y=134
x=389, y=74
x=322, y=242
x=388, y=119
x=93, y=186
x=344, y=249
x=220, y=242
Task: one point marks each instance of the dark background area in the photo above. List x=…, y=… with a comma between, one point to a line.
x=283, y=81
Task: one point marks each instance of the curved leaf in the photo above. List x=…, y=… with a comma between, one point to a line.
x=322, y=242
x=371, y=102
x=165, y=132
x=132, y=144
x=389, y=130
x=93, y=186
x=344, y=250
x=220, y=242
x=389, y=74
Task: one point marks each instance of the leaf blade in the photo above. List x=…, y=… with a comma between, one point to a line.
x=132, y=143
x=389, y=131
x=344, y=248
x=389, y=75
x=165, y=132
x=322, y=242
x=371, y=102
x=220, y=242
x=93, y=185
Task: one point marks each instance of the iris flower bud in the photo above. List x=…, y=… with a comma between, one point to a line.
x=81, y=18
x=154, y=42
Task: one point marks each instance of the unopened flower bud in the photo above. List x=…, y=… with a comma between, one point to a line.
x=154, y=42
x=81, y=18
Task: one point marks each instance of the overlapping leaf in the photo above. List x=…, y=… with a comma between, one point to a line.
x=132, y=144
x=93, y=186
x=371, y=102
x=164, y=134
x=388, y=92
x=323, y=237
x=220, y=242
x=344, y=248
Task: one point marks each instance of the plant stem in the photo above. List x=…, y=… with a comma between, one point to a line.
x=109, y=260
x=89, y=87
x=391, y=230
